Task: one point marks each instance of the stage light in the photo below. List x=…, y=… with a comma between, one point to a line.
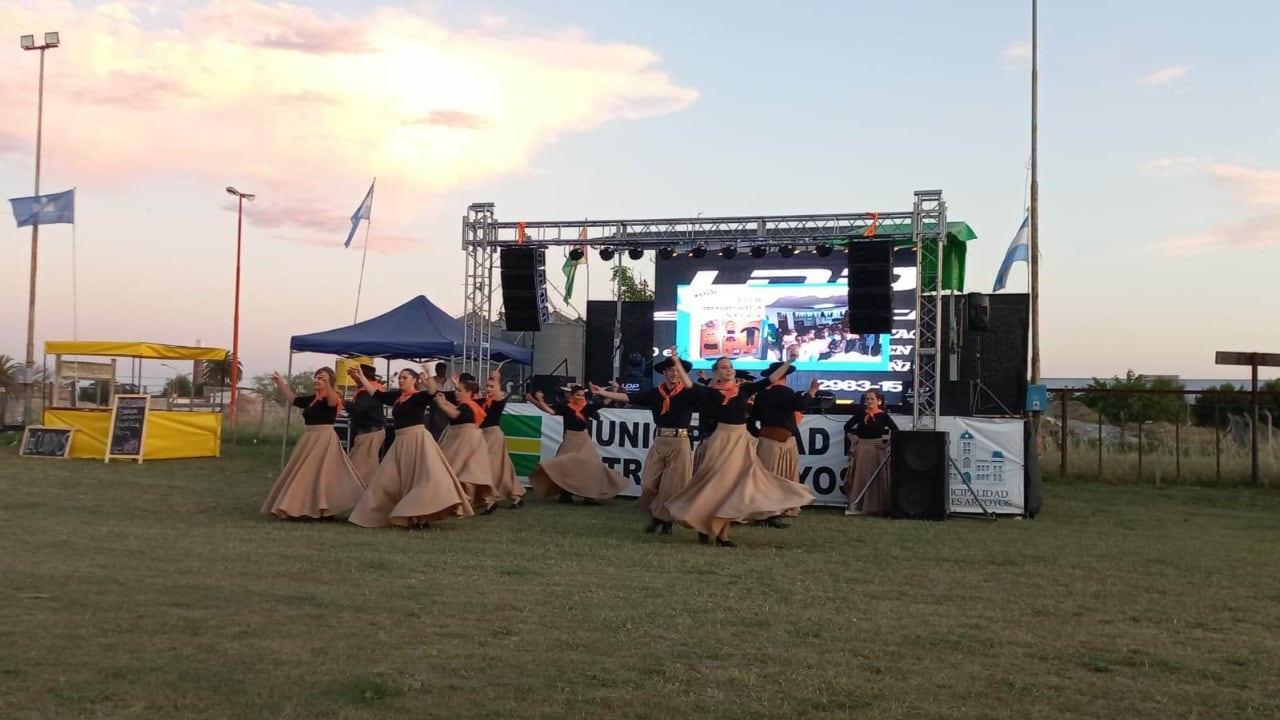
x=728, y=252
x=666, y=253
x=759, y=251
x=699, y=251
x=786, y=251
x=635, y=254
x=606, y=254
x=575, y=254
x=823, y=250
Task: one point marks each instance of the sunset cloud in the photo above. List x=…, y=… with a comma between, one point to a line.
x=1257, y=191
x=1017, y=54
x=304, y=107
x=1164, y=75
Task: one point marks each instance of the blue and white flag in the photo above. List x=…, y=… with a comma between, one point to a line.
x=45, y=209
x=1018, y=250
x=362, y=213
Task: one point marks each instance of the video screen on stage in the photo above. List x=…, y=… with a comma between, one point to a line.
x=755, y=310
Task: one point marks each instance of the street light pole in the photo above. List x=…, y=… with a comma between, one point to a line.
x=235, y=331
x=28, y=42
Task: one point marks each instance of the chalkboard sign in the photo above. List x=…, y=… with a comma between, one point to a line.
x=39, y=441
x=128, y=422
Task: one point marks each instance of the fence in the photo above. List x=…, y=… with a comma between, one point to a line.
x=1111, y=436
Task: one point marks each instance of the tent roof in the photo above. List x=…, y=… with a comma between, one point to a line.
x=154, y=351
x=415, y=330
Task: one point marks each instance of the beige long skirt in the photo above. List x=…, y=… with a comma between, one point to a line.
x=700, y=452
x=468, y=454
x=577, y=469
x=504, y=473
x=732, y=485
x=864, y=457
x=667, y=469
x=413, y=484
x=318, y=481
x=781, y=458
x=364, y=455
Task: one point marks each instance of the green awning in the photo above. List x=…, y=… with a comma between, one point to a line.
x=953, y=252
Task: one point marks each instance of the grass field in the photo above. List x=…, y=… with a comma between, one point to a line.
x=157, y=591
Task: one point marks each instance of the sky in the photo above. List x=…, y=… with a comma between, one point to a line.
x=1159, y=153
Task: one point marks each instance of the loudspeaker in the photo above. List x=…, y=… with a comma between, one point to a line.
x=549, y=385
x=979, y=305
x=918, y=475
x=524, y=288
x=870, y=287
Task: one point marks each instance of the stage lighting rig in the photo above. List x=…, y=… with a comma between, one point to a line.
x=728, y=252
x=759, y=251
x=575, y=254
x=606, y=254
x=635, y=254
x=666, y=253
x=699, y=251
x=786, y=251
x=823, y=250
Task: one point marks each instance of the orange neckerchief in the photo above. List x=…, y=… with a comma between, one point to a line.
x=577, y=406
x=729, y=392
x=783, y=383
x=871, y=414
x=320, y=397
x=488, y=402
x=379, y=387
x=405, y=396
x=476, y=411
x=666, y=396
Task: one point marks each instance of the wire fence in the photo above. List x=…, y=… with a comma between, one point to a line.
x=1175, y=437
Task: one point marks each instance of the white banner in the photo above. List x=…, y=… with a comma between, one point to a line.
x=988, y=450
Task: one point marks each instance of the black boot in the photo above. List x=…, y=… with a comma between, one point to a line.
x=566, y=498
x=704, y=538
x=666, y=528
x=726, y=543
x=590, y=501
x=654, y=524
x=777, y=522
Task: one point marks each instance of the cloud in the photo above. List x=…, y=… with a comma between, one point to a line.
x=1164, y=75
x=1257, y=191
x=1017, y=54
x=1170, y=163
x=304, y=107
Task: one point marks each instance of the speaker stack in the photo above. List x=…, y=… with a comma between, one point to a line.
x=918, y=472
x=524, y=288
x=870, y=287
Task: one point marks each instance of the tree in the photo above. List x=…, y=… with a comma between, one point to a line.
x=178, y=386
x=218, y=372
x=300, y=383
x=631, y=288
x=1226, y=402
x=10, y=371
x=1137, y=407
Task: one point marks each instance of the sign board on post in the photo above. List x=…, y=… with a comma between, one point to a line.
x=128, y=425
x=40, y=441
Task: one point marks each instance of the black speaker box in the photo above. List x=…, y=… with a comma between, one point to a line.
x=991, y=372
x=524, y=288
x=979, y=315
x=870, y=287
x=918, y=475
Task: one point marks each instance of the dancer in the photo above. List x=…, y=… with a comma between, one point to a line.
x=494, y=403
x=576, y=469
x=463, y=443
x=707, y=412
x=414, y=483
x=731, y=484
x=779, y=410
x=669, y=464
x=318, y=481
x=868, y=474
x=368, y=423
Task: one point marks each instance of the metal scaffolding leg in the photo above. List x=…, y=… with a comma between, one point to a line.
x=928, y=233
x=477, y=236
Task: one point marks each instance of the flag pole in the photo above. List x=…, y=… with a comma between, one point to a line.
x=363, y=255
x=75, y=305
x=1034, y=240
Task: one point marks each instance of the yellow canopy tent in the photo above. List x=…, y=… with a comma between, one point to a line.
x=169, y=434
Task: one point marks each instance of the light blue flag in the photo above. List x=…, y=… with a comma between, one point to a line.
x=1018, y=250
x=362, y=213
x=45, y=209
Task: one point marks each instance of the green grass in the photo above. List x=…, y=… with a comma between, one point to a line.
x=157, y=591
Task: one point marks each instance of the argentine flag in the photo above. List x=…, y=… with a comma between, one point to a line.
x=362, y=213
x=45, y=209
x=1018, y=250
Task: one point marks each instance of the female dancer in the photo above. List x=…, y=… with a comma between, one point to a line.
x=779, y=410
x=669, y=464
x=318, y=481
x=414, y=483
x=368, y=424
x=707, y=412
x=463, y=443
x=731, y=484
x=867, y=483
x=504, y=473
x=576, y=469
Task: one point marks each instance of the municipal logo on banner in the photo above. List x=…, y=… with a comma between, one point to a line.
x=524, y=440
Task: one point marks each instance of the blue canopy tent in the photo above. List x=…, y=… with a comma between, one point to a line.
x=416, y=330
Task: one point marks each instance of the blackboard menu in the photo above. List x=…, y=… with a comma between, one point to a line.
x=128, y=421
x=39, y=441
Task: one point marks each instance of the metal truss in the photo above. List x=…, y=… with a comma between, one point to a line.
x=477, y=235
x=928, y=233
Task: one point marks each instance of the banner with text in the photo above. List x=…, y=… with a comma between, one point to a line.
x=989, y=451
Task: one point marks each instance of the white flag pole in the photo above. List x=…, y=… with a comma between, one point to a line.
x=365, y=254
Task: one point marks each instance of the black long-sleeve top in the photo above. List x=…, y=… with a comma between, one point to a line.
x=870, y=427
x=315, y=412
x=683, y=404
x=407, y=412
x=777, y=405
x=493, y=412
x=733, y=412
x=366, y=413
x=571, y=420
